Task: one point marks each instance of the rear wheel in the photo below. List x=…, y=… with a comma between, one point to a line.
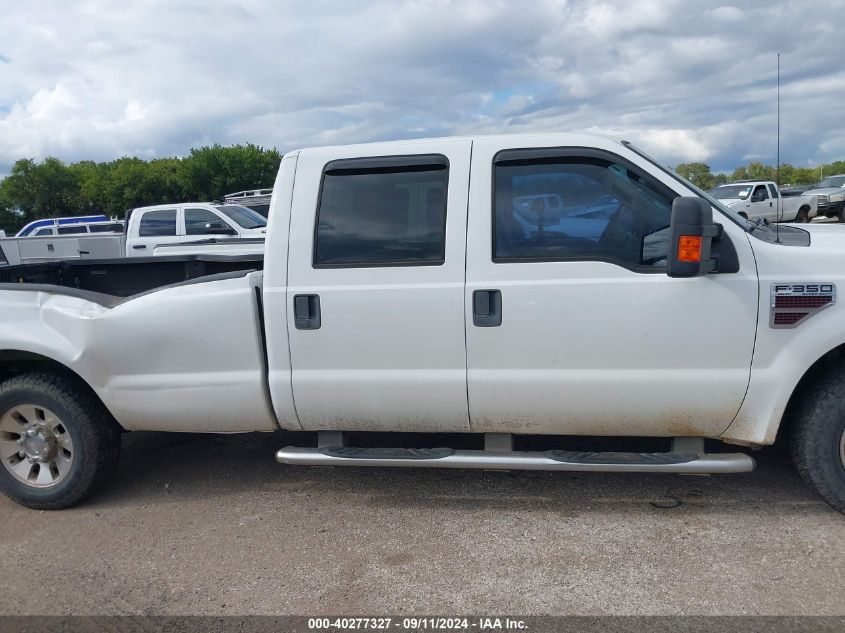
x=818, y=440
x=58, y=444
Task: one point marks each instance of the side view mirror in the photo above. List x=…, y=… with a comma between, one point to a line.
x=217, y=228
x=691, y=233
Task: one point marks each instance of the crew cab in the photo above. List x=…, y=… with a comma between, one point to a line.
x=762, y=199
x=408, y=312
x=148, y=227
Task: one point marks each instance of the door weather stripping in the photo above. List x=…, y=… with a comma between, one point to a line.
x=673, y=462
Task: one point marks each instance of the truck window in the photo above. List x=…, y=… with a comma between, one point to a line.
x=196, y=219
x=43, y=232
x=759, y=194
x=158, y=223
x=602, y=211
x=72, y=230
x=773, y=190
x=386, y=215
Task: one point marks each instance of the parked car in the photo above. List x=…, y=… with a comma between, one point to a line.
x=399, y=293
x=762, y=199
x=193, y=226
x=81, y=228
x=831, y=194
x=148, y=227
x=48, y=226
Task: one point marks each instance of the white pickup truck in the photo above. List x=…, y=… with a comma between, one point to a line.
x=401, y=293
x=183, y=228
x=755, y=199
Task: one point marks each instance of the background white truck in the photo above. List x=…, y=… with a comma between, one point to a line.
x=183, y=225
x=401, y=291
x=762, y=199
x=831, y=195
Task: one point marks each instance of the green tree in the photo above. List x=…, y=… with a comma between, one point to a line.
x=698, y=174
x=210, y=172
x=46, y=189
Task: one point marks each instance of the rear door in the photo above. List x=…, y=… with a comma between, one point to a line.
x=573, y=325
x=376, y=288
x=152, y=227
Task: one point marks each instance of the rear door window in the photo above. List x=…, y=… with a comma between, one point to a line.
x=158, y=223
x=390, y=214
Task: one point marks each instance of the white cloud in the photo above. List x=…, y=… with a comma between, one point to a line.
x=727, y=13
x=97, y=79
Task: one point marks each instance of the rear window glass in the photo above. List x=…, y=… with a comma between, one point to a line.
x=72, y=230
x=106, y=228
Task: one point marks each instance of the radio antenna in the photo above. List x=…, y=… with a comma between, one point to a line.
x=777, y=166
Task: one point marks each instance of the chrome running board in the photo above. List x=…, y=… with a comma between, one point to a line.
x=673, y=462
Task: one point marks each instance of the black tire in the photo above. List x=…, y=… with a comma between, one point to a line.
x=744, y=214
x=93, y=431
x=817, y=435
x=803, y=215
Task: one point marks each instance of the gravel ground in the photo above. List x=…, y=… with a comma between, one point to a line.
x=212, y=525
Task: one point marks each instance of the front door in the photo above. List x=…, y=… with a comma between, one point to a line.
x=761, y=204
x=376, y=290
x=573, y=326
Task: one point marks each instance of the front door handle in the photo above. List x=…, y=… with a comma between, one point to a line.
x=487, y=308
x=306, y=312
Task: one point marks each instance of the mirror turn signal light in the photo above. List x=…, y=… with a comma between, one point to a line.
x=689, y=248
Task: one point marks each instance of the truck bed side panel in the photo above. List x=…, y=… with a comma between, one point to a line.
x=186, y=358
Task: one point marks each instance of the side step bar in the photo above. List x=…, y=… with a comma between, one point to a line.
x=674, y=462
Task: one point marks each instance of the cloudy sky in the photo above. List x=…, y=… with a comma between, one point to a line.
x=686, y=79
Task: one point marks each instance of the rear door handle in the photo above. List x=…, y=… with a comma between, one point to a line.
x=487, y=308
x=306, y=312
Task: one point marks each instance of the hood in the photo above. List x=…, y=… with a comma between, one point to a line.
x=824, y=191
x=826, y=236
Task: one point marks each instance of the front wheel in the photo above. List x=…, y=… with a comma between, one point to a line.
x=818, y=440
x=58, y=444
x=803, y=215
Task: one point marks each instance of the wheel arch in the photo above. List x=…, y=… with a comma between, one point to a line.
x=832, y=358
x=16, y=362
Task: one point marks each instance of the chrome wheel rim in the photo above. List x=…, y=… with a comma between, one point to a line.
x=35, y=446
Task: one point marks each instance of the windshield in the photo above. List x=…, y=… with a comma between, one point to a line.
x=245, y=217
x=833, y=181
x=729, y=192
x=730, y=213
